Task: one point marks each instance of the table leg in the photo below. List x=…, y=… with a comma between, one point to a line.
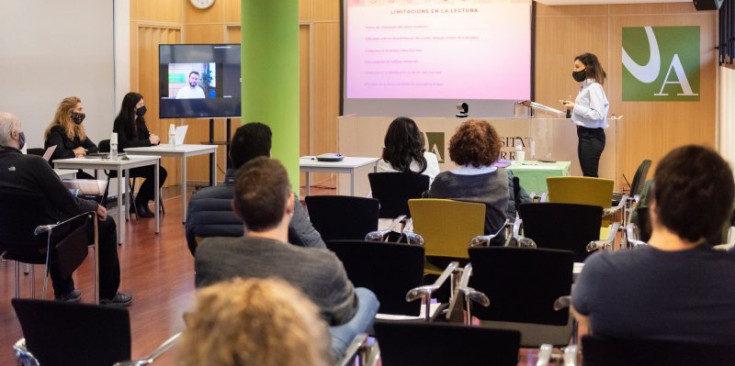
x=308, y=184
x=352, y=182
x=182, y=175
x=157, y=196
x=120, y=208
x=213, y=170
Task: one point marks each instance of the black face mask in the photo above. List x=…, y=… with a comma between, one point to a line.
x=21, y=140
x=580, y=75
x=141, y=111
x=78, y=118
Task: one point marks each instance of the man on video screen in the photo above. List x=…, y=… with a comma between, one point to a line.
x=193, y=90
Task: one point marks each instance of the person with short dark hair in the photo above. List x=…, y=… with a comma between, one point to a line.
x=30, y=174
x=191, y=90
x=678, y=287
x=475, y=147
x=210, y=213
x=264, y=201
x=589, y=112
x=404, y=150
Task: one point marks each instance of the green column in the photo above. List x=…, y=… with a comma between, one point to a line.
x=270, y=75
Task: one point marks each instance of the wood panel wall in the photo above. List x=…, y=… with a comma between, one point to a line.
x=648, y=129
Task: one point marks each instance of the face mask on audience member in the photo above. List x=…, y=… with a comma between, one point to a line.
x=579, y=76
x=21, y=140
x=78, y=118
x=141, y=111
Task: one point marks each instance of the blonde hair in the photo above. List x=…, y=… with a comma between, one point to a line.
x=264, y=322
x=63, y=118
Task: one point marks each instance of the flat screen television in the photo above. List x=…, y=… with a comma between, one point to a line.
x=199, y=80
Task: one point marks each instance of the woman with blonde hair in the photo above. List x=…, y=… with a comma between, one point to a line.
x=264, y=322
x=67, y=133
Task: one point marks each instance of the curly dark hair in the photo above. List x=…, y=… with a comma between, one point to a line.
x=403, y=144
x=475, y=143
x=693, y=191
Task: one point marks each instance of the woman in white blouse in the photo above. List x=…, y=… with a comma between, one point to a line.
x=589, y=112
x=404, y=150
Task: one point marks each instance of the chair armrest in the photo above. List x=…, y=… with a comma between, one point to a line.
x=544, y=355
x=42, y=229
x=484, y=240
x=562, y=302
x=357, y=348
x=165, y=346
x=24, y=356
x=424, y=292
x=606, y=244
x=613, y=210
x=570, y=355
x=632, y=235
x=469, y=294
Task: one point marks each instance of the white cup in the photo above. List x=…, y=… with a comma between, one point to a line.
x=520, y=156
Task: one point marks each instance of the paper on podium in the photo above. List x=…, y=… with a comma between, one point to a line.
x=541, y=107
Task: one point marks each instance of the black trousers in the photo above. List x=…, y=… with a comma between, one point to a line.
x=146, y=192
x=109, y=275
x=589, y=149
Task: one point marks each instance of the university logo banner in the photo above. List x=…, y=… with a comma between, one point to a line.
x=661, y=63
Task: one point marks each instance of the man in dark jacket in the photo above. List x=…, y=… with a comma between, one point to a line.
x=29, y=174
x=210, y=209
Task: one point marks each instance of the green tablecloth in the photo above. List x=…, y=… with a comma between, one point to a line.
x=533, y=174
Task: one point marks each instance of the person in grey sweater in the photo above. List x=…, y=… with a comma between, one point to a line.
x=210, y=211
x=264, y=201
x=475, y=147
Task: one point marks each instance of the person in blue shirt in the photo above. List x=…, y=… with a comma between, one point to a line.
x=589, y=112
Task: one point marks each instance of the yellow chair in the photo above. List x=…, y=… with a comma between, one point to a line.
x=584, y=191
x=447, y=227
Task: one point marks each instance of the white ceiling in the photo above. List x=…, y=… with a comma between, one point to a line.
x=605, y=2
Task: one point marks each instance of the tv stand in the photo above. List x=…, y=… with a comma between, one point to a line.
x=228, y=140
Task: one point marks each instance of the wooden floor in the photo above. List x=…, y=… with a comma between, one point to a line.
x=157, y=269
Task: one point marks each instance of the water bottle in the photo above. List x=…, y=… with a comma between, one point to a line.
x=172, y=135
x=113, y=146
x=520, y=154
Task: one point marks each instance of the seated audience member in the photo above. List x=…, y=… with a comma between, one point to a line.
x=677, y=288
x=210, y=210
x=404, y=150
x=263, y=199
x=475, y=147
x=31, y=174
x=264, y=322
x=66, y=132
x=132, y=131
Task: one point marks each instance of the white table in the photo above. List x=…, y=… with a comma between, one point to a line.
x=308, y=164
x=66, y=173
x=182, y=152
x=120, y=166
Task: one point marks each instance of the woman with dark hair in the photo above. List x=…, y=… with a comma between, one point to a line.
x=66, y=132
x=404, y=150
x=474, y=148
x=132, y=132
x=589, y=112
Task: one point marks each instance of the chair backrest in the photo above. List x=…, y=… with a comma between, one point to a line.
x=20, y=214
x=636, y=187
x=393, y=190
x=562, y=226
x=343, y=217
x=60, y=333
x=437, y=344
x=522, y=284
x=447, y=226
x=36, y=151
x=390, y=270
x=104, y=146
x=598, y=351
x=581, y=190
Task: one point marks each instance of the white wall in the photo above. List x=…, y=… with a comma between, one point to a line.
x=54, y=49
x=727, y=113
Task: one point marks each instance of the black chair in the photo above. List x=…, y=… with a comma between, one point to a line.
x=36, y=151
x=636, y=187
x=437, y=344
x=393, y=190
x=343, y=217
x=522, y=285
x=390, y=270
x=27, y=238
x=59, y=333
x=564, y=226
x=599, y=351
